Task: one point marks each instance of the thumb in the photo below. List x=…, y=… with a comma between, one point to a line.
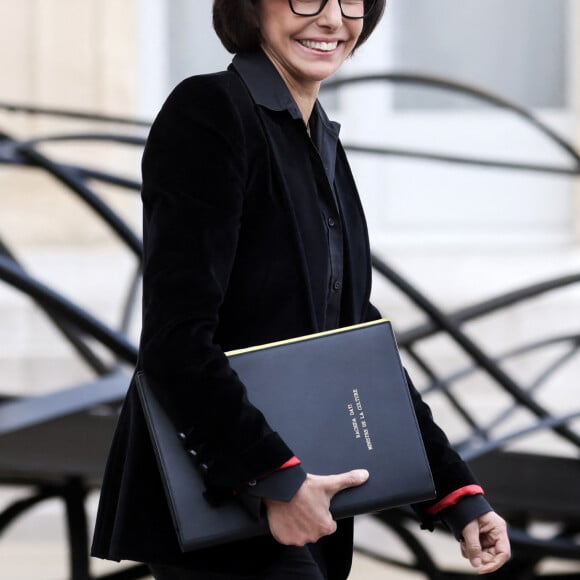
x=471, y=544
x=345, y=480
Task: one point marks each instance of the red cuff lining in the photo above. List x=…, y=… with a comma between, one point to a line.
x=292, y=462
x=453, y=498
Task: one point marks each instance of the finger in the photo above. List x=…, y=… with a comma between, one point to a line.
x=340, y=481
x=470, y=545
x=496, y=556
x=494, y=564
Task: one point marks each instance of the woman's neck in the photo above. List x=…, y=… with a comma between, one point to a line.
x=305, y=98
x=303, y=92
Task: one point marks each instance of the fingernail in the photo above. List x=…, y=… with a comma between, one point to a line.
x=476, y=562
x=363, y=474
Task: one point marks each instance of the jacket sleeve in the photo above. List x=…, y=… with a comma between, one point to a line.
x=451, y=474
x=194, y=172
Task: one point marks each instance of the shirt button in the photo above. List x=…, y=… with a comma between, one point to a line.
x=337, y=285
x=252, y=483
x=331, y=222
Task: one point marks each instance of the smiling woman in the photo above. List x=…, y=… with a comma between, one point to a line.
x=307, y=50
x=236, y=22
x=254, y=233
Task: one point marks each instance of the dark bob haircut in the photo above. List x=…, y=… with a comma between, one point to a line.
x=236, y=23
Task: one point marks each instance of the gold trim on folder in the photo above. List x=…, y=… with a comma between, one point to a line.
x=305, y=337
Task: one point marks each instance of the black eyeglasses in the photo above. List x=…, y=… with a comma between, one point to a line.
x=353, y=9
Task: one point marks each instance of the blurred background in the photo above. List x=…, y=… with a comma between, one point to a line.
x=461, y=233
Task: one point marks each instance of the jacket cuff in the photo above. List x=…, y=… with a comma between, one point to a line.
x=232, y=472
x=280, y=486
x=464, y=511
x=452, y=498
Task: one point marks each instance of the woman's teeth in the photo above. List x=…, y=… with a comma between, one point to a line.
x=323, y=46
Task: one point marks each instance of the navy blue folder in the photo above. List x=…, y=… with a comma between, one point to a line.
x=340, y=401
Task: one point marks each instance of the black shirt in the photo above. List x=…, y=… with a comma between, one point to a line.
x=269, y=90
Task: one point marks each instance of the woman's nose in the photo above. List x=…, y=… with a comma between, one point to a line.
x=331, y=15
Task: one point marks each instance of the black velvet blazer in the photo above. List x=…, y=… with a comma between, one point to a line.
x=235, y=255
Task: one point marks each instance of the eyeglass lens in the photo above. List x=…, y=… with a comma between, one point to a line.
x=349, y=8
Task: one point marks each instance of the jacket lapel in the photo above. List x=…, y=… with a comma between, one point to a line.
x=357, y=266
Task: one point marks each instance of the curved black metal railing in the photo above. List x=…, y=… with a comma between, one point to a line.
x=481, y=443
x=478, y=94
x=82, y=330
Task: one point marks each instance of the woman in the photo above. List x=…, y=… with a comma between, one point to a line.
x=253, y=233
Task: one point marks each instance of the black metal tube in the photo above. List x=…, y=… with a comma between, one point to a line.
x=485, y=362
x=66, y=310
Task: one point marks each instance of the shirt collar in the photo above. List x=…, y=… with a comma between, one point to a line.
x=269, y=90
x=264, y=83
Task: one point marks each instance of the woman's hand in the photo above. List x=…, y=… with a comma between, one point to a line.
x=485, y=543
x=306, y=517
